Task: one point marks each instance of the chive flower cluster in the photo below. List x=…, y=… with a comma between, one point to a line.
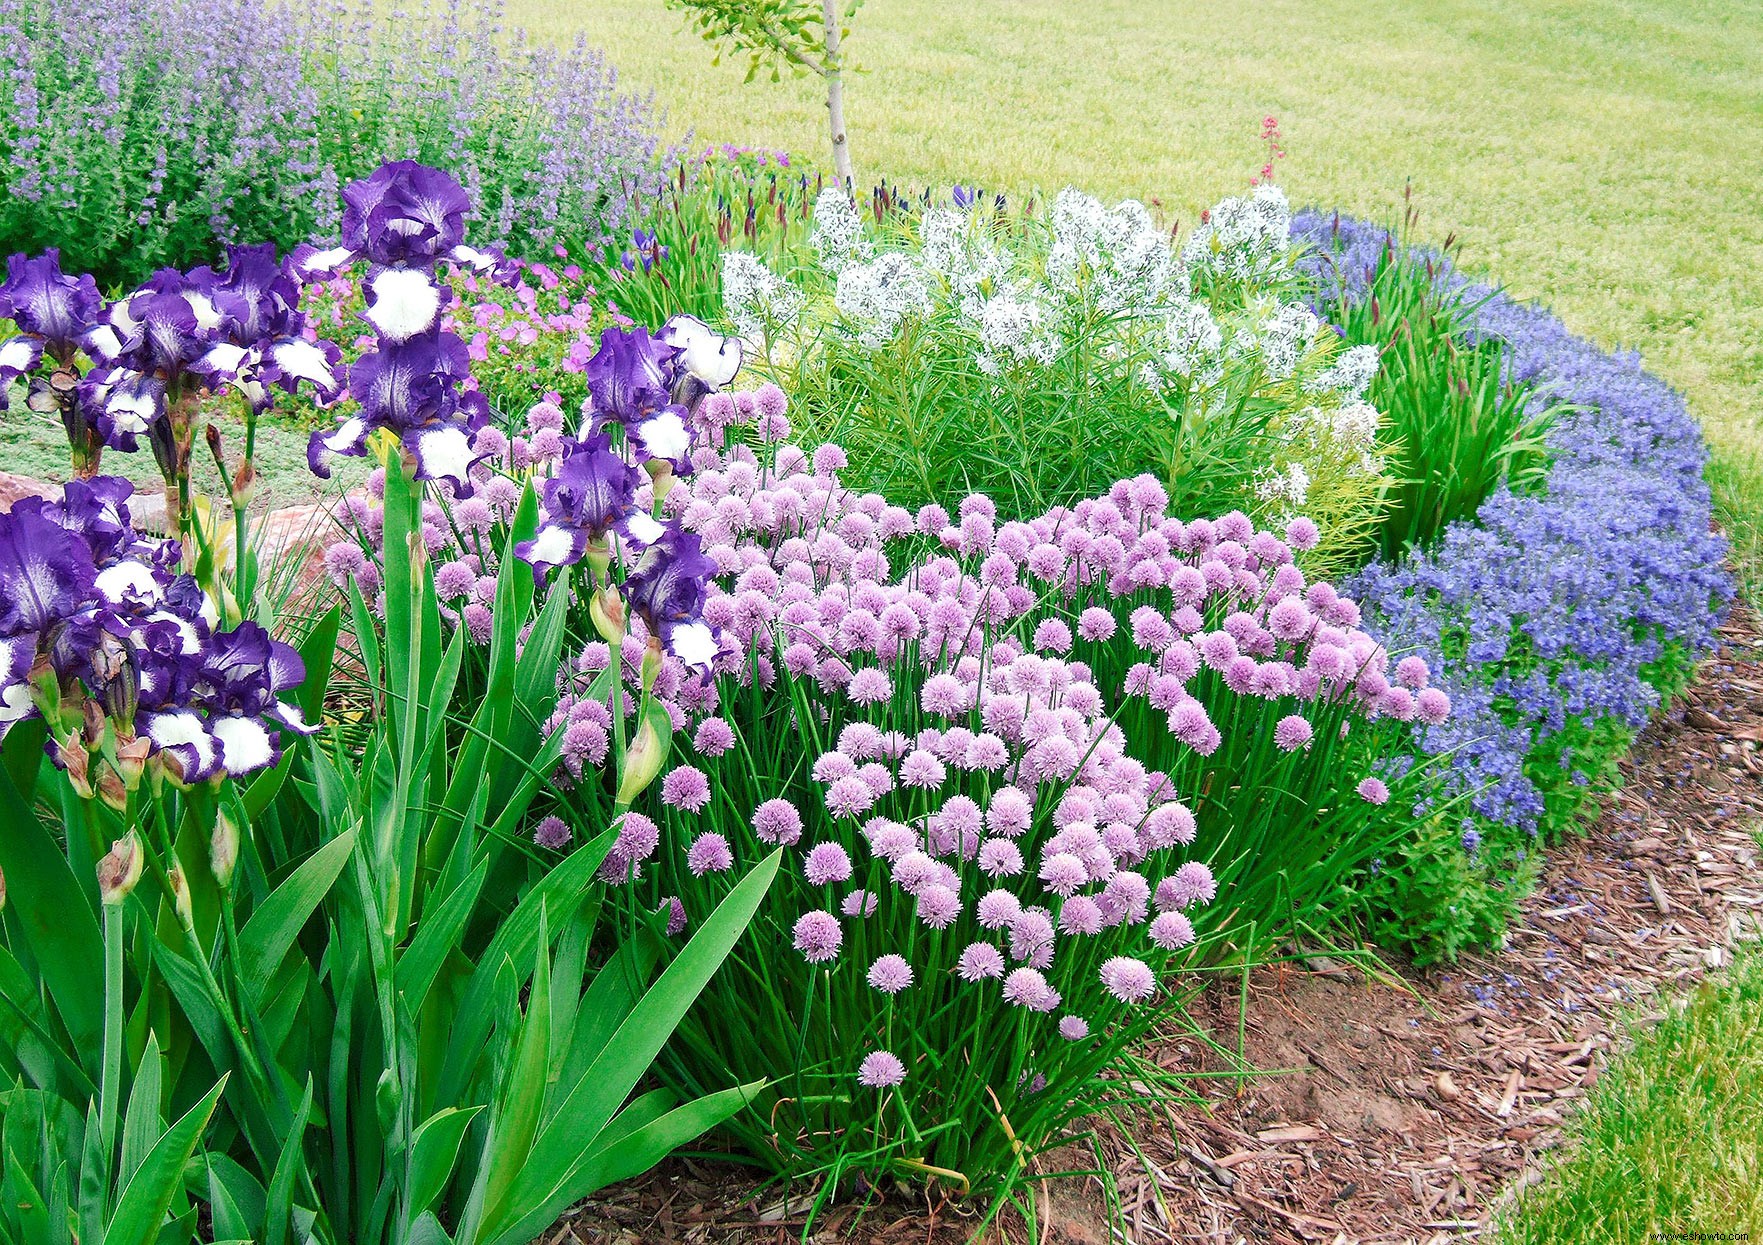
x=969, y=833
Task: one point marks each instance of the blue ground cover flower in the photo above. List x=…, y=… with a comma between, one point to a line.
x=1558, y=621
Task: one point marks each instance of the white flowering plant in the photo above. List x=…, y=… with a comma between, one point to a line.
x=1039, y=354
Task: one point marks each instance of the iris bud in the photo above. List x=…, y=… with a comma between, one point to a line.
x=180, y=895
x=120, y=869
x=642, y=762
x=223, y=849
x=606, y=609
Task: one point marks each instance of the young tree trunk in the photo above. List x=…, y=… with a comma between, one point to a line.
x=835, y=98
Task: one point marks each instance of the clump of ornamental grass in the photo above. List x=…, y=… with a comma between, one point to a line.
x=1457, y=423
x=727, y=198
x=1038, y=356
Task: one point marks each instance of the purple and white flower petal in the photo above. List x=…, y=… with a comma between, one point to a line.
x=309, y=264
x=246, y=744
x=46, y=303
x=703, y=352
x=402, y=302
x=18, y=355
x=183, y=735
x=289, y=361
x=17, y=653
x=349, y=440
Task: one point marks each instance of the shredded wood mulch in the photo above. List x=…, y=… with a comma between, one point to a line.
x=1390, y=1109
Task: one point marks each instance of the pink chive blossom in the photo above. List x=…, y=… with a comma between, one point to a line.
x=777, y=821
x=1373, y=791
x=1192, y=883
x=1000, y=858
x=881, y=1070
x=997, y=908
x=1010, y=813
x=890, y=973
x=826, y=862
x=832, y=766
x=877, y=777
x=986, y=753
x=1074, y=1028
x=552, y=833
x=849, y=797
x=1096, y=624
x=1127, y=979
x=914, y=871
x=1432, y=706
x=713, y=737
x=454, y=580
x=979, y=961
x=1168, y=825
x=817, y=936
x=858, y=903
x=829, y=459
x=1062, y=873
x=869, y=686
x=478, y=623
x=709, y=853
x=1302, y=534
x=1081, y=915
x=889, y=840
x=1170, y=930
x=1292, y=732
x=860, y=741
x=686, y=787
x=1126, y=897
x=922, y=769
x=938, y=906
x=1026, y=987
x=1411, y=672
x=676, y=915
x=943, y=695
x=1031, y=937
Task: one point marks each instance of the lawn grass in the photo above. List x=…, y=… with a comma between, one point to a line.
x=1601, y=157
x=1669, y=1141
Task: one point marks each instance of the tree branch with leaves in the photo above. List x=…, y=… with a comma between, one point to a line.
x=802, y=36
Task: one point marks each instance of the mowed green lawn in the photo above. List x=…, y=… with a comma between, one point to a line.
x=1605, y=156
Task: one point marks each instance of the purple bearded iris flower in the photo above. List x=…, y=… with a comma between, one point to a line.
x=651, y=385
x=404, y=215
x=48, y=305
x=629, y=378
x=265, y=339
x=87, y=599
x=54, y=313
x=413, y=389
x=46, y=572
x=243, y=673
x=121, y=404
x=168, y=324
x=405, y=219
x=592, y=494
x=667, y=591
